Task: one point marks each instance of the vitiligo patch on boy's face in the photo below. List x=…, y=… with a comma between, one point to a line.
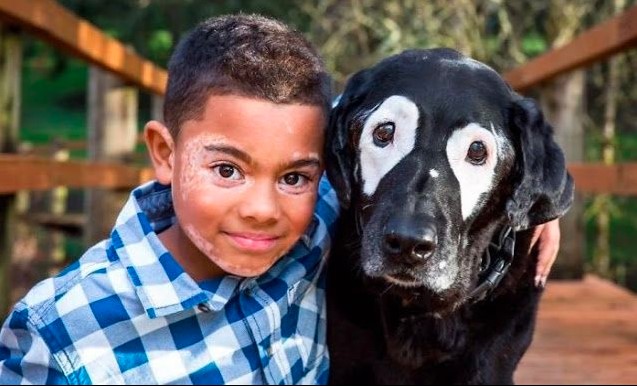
x=195, y=159
x=227, y=265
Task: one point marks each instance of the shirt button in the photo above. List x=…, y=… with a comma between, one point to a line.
x=269, y=351
x=203, y=307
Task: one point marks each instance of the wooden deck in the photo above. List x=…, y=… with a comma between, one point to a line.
x=586, y=334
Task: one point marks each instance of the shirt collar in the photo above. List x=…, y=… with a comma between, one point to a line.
x=160, y=282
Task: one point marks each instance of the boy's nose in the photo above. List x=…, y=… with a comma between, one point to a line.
x=261, y=204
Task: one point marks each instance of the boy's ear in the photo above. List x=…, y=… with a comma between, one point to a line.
x=161, y=148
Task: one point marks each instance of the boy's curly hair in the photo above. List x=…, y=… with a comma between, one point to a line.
x=246, y=55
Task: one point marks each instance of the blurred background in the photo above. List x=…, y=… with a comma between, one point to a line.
x=72, y=84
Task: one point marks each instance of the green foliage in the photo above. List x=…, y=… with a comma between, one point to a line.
x=627, y=147
x=534, y=44
x=53, y=106
x=623, y=226
x=160, y=44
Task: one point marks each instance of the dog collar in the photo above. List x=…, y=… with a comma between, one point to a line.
x=498, y=258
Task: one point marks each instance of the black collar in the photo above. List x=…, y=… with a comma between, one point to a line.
x=495, y=264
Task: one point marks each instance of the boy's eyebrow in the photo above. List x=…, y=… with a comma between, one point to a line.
x=311, y=161
x=233, y=151
x=245, y=157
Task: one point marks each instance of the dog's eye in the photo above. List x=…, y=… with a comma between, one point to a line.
x=384, y=134
x=477, y=153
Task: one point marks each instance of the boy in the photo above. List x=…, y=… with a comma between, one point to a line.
x=202, y=279
x=214, y=273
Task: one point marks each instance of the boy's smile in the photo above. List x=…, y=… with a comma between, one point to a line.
x=244, y=183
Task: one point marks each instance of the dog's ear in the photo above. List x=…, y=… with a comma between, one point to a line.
x=340, y=153
x=543, y=189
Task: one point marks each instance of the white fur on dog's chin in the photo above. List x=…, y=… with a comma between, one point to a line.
x=442, y=276
x=474, y=180
x=403, y=283
x=377, y=161
x=439, y=279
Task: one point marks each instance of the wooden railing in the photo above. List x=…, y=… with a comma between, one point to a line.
x=595, y=45
x=592, y=46
x=620, y=179
x=59, y=27
x=38, y=173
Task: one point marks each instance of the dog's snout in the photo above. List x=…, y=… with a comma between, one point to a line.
x=414, y=238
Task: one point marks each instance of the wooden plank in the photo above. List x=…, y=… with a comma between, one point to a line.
x=77, y=144
x=32, y=173
x=586, y=334
x=594, y=45
x=620, y=179
x=55, y=24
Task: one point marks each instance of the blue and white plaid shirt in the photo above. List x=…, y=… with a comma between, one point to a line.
x=126, y=312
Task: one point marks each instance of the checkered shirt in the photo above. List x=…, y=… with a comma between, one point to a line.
x=126, y=312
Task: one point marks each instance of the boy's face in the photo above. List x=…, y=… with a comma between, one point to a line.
x=244, y=184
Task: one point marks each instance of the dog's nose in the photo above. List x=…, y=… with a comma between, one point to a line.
x=415, y=238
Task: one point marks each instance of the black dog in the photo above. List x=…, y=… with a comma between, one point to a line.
x=442, y=171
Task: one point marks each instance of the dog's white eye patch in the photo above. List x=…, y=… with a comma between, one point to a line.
x=474, y=180
x=377, y=161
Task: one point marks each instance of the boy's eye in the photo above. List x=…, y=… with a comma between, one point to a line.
x=294, y=179
x=227, y=171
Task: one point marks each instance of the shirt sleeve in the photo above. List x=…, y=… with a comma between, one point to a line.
x=25, y=357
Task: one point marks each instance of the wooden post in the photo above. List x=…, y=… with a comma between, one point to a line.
x=58, y=198
x=10, y=79
x=112, y=136
x=563, y=104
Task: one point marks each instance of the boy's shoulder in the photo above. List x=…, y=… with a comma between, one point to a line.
x=93, y=285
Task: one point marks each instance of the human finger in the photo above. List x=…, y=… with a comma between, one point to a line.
x=548, y=248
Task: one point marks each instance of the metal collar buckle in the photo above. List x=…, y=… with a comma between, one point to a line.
x=498, y=257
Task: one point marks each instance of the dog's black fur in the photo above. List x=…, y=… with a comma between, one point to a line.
x=380, y=332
